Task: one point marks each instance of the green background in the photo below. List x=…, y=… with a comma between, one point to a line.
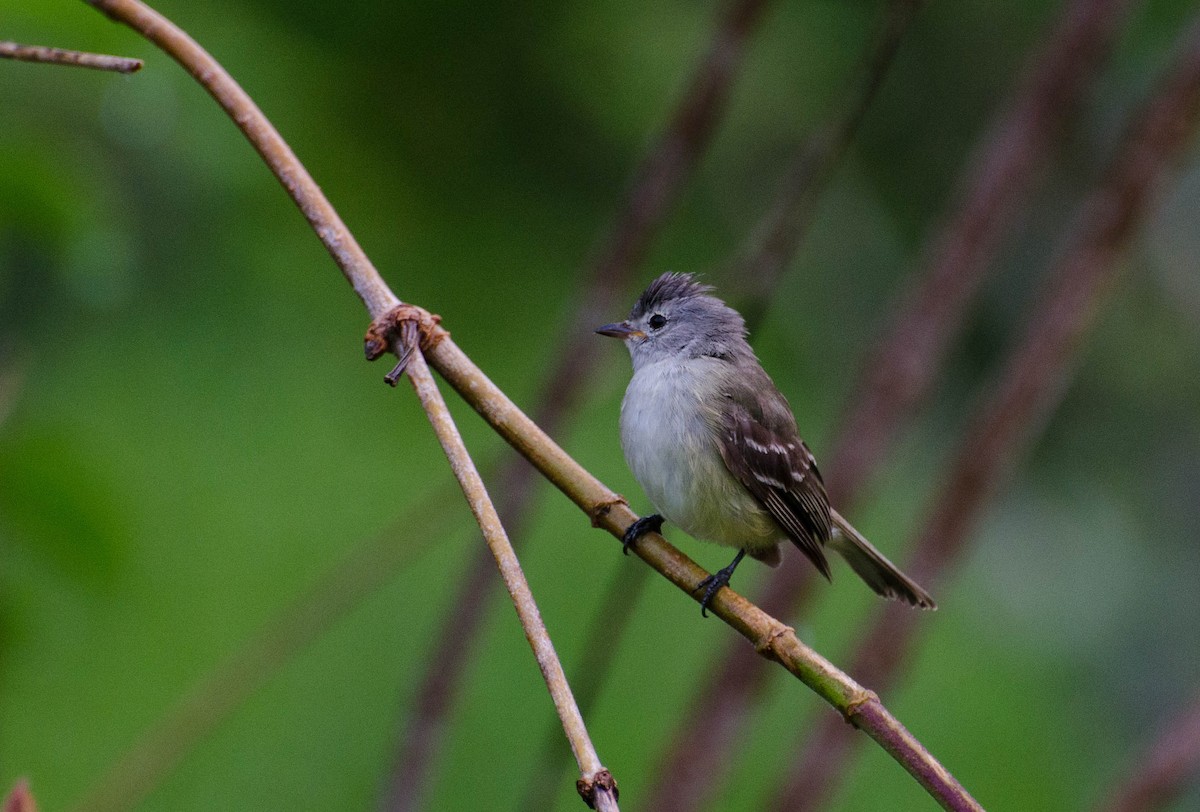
x=192, y=437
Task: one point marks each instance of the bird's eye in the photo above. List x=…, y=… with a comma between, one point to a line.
x=657, y=321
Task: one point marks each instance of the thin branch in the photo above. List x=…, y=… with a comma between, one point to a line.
x=596, y=784
x=1170, y=764
x=606, y=509
x=267, y=141
x=656, y=186
x=609, y=621
x=61, y=56
x=908, y=355
x=770, y=638
x=777, y=238
x=700, y=749
x=1030, y=386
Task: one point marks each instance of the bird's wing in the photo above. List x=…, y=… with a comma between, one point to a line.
x=763, y=450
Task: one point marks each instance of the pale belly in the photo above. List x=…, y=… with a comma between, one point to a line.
x=672, y=453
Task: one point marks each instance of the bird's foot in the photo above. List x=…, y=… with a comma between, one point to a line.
x=713, y=583
x=644, y=525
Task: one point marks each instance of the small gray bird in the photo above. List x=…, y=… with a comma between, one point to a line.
x=714, y=444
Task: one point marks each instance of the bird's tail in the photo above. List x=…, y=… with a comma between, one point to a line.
x=873, y=567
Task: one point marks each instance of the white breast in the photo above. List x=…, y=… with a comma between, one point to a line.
x=671, y=449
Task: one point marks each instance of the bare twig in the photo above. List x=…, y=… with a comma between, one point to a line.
x=607, y=509
x=610, y=619
x=907, y=356
x=596, y=784
x=1169, y=765
x=655, y=187
x=61, y=56
x=700, y=750
x=770, y=638
x=1030, y=386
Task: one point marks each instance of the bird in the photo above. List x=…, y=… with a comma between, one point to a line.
x=714, y=444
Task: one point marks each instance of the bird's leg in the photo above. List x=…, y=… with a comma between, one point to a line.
x=644, y=525
x=718, y=579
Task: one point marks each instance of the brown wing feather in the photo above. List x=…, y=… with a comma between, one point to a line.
x=778, y=469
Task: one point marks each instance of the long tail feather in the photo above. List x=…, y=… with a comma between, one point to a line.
x=873, y=567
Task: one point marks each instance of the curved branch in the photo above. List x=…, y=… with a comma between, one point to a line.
x=656, y=186
x=607, y=510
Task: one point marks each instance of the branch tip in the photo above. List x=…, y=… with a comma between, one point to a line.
x=590, y=786
x=62, y=56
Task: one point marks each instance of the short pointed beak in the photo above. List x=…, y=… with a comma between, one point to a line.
x=621, y=330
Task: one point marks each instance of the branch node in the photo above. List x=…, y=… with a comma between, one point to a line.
x=588, y=786
x=765, y=645
x=402, y=329
x=852, y=707
x=601, y=509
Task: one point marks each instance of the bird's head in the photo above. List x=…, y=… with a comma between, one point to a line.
x=679, y=317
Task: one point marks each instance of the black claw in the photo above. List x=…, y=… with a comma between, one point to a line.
x=644, y=525
x=713, y=583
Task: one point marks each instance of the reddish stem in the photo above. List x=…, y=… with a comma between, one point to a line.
x=907, y=358
x=1028, y=389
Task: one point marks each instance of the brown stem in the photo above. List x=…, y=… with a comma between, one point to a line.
x=609, y=621
x=595, y=782
x=606, y=509
x=61, y=56
x=653, y=192
x=770, y=638
x=1169, y=765
x=907, y=357
x=1029, y=387
x=701, y=748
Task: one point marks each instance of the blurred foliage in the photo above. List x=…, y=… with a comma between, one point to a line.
x=194, y=437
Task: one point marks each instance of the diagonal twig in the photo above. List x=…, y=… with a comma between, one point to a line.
x=606, y=509
x=596, y=784
x=699, y=752
x=62, y=56
x=601, y=641
x=1031, y=384
x=654, y=189
x=909, y=353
